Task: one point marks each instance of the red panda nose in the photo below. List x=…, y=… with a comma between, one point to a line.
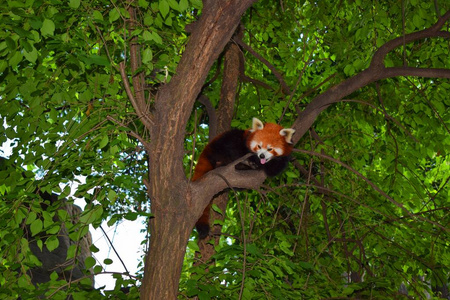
x=262, y=155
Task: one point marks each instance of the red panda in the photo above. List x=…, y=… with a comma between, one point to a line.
x=271, y=144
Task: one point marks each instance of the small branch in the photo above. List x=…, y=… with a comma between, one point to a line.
x=275, y=72
x=114, y=249
x=145, y=117
x=130, y=132
x=374, y=186
x=245, y=78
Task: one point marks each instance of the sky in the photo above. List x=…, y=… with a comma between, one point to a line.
x=126, y=238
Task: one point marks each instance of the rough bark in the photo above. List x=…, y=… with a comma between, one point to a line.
x=224, y=117
x=170, y=193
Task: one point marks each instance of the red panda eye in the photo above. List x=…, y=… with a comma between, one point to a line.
x=259, y=147
x=269, y=149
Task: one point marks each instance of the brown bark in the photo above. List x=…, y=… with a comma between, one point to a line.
x=224, y=117
x=177, y=204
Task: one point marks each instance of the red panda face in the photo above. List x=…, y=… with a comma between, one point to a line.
x=269, y=140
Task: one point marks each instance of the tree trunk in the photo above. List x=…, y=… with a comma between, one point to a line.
x=174, y=211
x=164, y=261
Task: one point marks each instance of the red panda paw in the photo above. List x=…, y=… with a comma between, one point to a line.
x=248, y=164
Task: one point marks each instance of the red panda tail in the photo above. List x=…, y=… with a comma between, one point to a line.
x=202, y=224
x=203, y=166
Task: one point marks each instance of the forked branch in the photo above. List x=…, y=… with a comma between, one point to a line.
x=376, y=71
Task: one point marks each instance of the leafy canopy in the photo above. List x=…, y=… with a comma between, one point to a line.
x=362, y=210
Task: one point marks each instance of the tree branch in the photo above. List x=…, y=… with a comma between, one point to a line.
x=144, y=116
x=275, y=72
x=376, y=71
x=433, y=31
x=374, y=186
x=215, y=181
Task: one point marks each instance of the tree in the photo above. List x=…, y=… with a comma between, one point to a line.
x=108, y=91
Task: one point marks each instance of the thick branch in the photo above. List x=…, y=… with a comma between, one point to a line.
x=376, y=71
x=219, y=179
x=433, y=31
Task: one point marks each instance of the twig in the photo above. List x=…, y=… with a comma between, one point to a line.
x=114, y=249
x=130, y=132
x=374, y=186
x=275, y=72
x=146, y=118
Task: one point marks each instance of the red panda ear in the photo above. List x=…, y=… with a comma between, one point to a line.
x=256, y=125
x=287, y=133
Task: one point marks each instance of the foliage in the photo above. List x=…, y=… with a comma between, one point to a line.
x=356, y=215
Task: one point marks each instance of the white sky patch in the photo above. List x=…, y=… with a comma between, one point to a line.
x=125, y=236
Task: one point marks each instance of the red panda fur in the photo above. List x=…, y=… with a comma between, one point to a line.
x=271, y=144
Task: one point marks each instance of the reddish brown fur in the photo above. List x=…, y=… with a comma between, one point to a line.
x=203, y=165
x=270, y=135
x=234, y=144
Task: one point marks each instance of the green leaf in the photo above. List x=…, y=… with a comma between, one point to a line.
x=198, y=4
x=107, y=261
x=72, y=251
x=104, y=141
x=418, y=21
x=97, y=15
x=146, y=35
x=112, y=196
x=54, y=276
x=15, y=59
x=48, y=27
x=52, y=243
x=94, y=249
x=184, y=4
x=3, y=65
x=91, y=215
x=174, y=4
x=99, y=60
x=147, y=56
x=113, y=15
x=74, y=4
x=89, y=262
x=32, y=55
x=54, y=229
x=31, y=217
x=40, y=244
x=164, y=7
x=36, y=227
x=98, y=269
x=131, y=216
x=156, y=37
x=143, y=3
